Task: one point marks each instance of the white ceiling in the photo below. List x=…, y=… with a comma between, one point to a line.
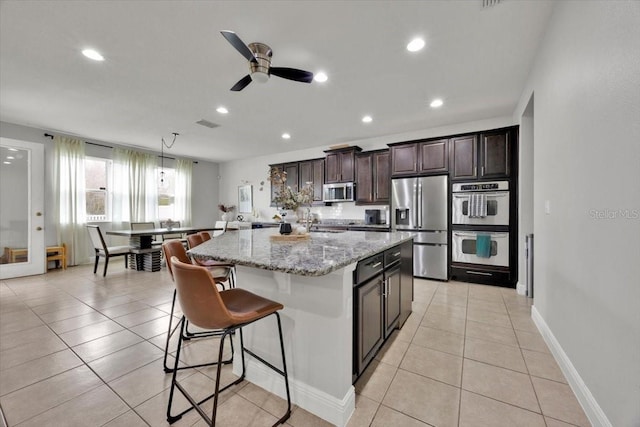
x=167, y=66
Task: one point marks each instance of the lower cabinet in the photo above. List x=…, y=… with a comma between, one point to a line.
x=382, y=295
x=369, y=333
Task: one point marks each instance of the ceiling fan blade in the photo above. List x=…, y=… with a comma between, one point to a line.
x=239, y=45
x=292, y=74
x=242, y=83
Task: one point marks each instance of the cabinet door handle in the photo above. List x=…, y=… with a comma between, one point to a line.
x=482, y=170
x=396, y=254
x=475, y=171
x=376, y=265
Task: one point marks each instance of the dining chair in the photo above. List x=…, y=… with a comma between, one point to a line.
x=146, y=226
x=226, y=311
x=222, y=225
x=169, y=236
x=220, y=275
x=102, y=250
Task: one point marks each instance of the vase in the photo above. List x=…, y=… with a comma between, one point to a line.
x=227, y=216
x=290, y=216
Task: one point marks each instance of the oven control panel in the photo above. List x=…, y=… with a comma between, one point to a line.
x=481, y=186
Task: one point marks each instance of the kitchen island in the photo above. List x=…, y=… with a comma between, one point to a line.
x=314, y=280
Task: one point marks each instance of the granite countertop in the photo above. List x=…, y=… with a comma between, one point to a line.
x=321, y=254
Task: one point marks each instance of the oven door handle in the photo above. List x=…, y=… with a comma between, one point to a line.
x=492, y=234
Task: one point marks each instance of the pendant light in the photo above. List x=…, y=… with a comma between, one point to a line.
x=163, y=184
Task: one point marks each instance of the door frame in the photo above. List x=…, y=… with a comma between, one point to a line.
x=35, y=263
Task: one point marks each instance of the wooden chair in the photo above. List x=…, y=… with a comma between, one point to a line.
x=226, y=311
x=170, y=236
x=102, y=250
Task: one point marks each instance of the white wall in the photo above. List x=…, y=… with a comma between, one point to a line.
x=586, y=81
x=254, y=170
x=525, y=189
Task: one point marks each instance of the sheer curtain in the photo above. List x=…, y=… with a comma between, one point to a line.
x=135, y=187
x=70, y=203
x=182, y=200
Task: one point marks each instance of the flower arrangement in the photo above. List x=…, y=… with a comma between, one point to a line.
x=285, y=197
x=226, y=208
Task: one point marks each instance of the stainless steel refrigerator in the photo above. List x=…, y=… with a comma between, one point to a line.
x=420, y=205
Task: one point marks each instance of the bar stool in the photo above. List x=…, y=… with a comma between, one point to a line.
x=174, y=248
x=206, y=307
x=196, y=239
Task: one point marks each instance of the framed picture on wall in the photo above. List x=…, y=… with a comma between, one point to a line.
x=245, y=199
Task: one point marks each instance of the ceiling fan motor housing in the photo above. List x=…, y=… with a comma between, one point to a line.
x=260, y=70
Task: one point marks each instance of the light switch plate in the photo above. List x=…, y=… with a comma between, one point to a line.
x=547, y=207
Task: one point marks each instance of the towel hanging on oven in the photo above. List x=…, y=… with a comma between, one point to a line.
x=477, y=205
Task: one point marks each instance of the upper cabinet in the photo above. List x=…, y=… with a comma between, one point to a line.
x=312, y=171
x=340, y=165
x=372, y=177
x=488, y=156
x=495, y=154
x=464, y=156
x=420, y=158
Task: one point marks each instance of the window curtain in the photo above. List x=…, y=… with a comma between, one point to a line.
x=70, y=203
x=182, y=201
x=135, y=187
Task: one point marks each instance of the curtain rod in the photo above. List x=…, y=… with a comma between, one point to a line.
x=48, y=135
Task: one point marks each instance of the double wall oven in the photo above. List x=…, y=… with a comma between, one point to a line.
x=480, y=235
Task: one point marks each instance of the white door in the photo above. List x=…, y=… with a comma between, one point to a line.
x=21, y=208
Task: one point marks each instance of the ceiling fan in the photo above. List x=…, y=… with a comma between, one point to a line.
x=259, y=56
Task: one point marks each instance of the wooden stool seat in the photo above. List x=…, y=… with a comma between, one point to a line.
x=57, y=254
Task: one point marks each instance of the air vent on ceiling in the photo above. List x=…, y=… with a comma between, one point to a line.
x=489, y=3
x=207, y=123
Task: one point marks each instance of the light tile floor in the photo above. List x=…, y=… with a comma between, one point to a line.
x=77, y=349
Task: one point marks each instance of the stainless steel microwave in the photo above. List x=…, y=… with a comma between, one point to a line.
x=340, y=192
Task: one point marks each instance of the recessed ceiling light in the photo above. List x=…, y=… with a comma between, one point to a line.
x=320, y=77
x=436, y=103
x=222, y=110
x=93, y=54
x=13, y=149
x=415, y=45
x=10, y=157
x=367, y=119
x=7, y=163
x=286, y=136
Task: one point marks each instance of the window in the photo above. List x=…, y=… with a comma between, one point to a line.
x=97, y=175
x=167, y=194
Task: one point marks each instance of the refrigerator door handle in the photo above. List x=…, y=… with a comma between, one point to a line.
x=415, y=199
x=419, y=204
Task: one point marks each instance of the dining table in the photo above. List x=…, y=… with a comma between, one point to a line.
x=146, y=256
x=143, y=239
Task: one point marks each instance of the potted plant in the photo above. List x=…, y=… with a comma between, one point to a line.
x=227, y=211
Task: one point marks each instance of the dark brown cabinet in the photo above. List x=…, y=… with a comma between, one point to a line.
x=420, y=158
x=404, y=159
x=372, y=177
x=369, y=320
x=486, y=157
x=382, y=297
x=495, y=154
x=463, y=157
x=433, y=156
x=312, y=171
x=340, y=165
x=292, y=178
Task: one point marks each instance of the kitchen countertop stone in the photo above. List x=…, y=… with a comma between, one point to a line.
x=321, y=254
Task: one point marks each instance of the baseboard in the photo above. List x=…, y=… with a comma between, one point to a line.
x=521, y=289
x=334, y=410
x=592, y=410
